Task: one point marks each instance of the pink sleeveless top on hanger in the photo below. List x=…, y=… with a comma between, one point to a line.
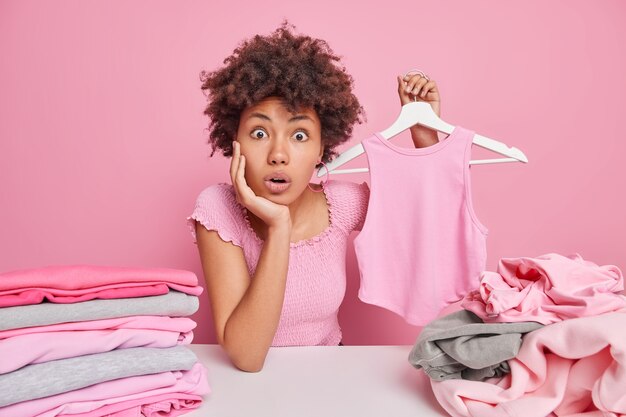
x=421, y=246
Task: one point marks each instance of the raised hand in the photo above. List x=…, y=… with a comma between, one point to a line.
x=415, y=87
x=272, y=214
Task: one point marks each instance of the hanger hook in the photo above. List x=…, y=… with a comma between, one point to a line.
x=421, y=73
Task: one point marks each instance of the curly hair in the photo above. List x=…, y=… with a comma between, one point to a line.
x=302, y=71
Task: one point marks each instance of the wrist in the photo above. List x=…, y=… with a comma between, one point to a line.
x=423, y=136
x=282, y=224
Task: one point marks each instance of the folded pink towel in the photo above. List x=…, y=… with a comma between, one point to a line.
x=546, y=289
x=47, y=346
x=75, y=283
x=174, y=324
x=575, y=367
x=164, y=405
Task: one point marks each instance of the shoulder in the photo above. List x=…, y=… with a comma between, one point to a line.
x=341, y=187
x=349, y=202
x=216, y=208
x=344, y=192
x=216, y=195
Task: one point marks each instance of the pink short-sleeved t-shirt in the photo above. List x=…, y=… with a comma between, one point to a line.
x=316, y=278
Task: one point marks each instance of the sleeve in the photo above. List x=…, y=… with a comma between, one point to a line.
x=349, y=204
x=361, y=203
x=216, y=209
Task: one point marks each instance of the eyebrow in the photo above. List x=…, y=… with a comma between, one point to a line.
x=293, y=119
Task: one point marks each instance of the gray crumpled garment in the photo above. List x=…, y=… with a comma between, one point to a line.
x=461, y=346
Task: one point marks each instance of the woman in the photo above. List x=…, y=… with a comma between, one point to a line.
x=272, y=245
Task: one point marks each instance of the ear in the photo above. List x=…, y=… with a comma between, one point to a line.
x=321, y=152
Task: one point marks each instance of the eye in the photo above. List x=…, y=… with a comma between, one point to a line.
x=301, y=136
x=258, y=133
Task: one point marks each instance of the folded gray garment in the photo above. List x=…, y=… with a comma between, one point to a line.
x=174, y=304
x=461, y=346
x=63, y=375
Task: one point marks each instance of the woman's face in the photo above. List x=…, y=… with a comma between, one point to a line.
x=281, y=149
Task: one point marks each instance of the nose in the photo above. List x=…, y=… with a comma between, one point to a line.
x=278, y=153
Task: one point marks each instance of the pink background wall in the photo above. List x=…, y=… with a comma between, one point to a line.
x=103, y=152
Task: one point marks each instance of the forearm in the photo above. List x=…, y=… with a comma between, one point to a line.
x=250, y=330
x=423, y=136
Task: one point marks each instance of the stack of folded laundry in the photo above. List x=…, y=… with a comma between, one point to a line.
x=99, y=341
x=541, y=336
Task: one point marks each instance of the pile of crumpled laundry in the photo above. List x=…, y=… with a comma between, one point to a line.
x=540, y=337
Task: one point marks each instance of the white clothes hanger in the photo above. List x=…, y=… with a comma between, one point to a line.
x=422, y=113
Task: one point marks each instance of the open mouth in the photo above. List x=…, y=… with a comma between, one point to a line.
x=277, y=185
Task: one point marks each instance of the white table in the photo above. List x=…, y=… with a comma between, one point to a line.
x=318, y=381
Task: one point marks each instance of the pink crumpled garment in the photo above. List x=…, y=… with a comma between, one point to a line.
x=546, y=289
x=76, y=283
x=572, y=368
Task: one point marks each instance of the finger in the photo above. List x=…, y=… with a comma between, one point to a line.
x=410, y=84
x=244, y=190
x=239, y=174
x=234, y=161
x=428, y=88
x=236, y=164
x=404, y=96
x=419, y=84
x=239, y=180
x=401, y=85
x=412, y=74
